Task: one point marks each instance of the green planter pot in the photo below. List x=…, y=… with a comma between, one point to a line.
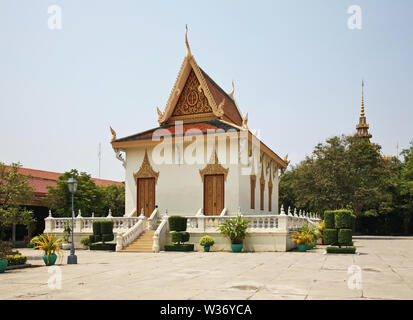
x=236, y=247
x=302, y=247
x=315, y=243
x=206, y=248
x=52, y=259
x=3, y=265
x=309, y=246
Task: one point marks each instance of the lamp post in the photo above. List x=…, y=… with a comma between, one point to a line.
x=72, y=185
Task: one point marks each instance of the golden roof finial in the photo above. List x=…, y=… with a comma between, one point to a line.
x=188, y=50
x=231, y=94
x=362, y=99
x=113, y=132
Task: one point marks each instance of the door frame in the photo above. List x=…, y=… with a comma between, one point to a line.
x=138, y=212
x=223, y=191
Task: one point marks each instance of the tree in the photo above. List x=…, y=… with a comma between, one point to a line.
x=113, y=198
x=406, y=188
x=345, y=172
x=87, y=197
x=15, y=192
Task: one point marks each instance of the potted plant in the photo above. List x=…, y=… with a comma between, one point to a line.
x=85, y=241
x=4, y=250
x=320, y=231
x=236, y=230
x=207, y=242
x=66, y=243
x=50, y=245
x=299, y=238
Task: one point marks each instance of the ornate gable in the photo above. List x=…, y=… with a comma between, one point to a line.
x=192, y=99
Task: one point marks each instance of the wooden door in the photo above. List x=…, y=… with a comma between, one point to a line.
x=213, y=194
x=146, y=196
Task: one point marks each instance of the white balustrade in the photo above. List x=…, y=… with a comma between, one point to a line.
x=153, y=219
x=125, y=239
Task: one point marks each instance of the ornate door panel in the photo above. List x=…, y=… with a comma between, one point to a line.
x=146, y=196
x=213, y=194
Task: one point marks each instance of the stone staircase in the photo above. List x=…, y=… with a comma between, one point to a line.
x=144, y=242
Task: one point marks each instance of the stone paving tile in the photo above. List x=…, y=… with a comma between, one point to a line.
x=386, y=269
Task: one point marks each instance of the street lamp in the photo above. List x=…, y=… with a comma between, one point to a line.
x=72, y=185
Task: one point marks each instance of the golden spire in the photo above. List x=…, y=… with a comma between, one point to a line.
x=188, y=50
x=362, y=99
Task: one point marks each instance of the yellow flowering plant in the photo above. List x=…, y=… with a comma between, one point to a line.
x=49, y=244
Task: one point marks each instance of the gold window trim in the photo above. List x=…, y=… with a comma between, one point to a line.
x=214, y=168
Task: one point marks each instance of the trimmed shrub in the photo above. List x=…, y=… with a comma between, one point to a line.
x=103, y=246
x=329, y=219
x=107, y=237
x=345, y=237
x=96, y=228
x=179, y=236
x=353, y=222
x=15, y=260
x=177, y=223
x=343, y=219
x=330, y=236
x=95, y=238
x=341, y=250
x=179, y=247
x=106, y=227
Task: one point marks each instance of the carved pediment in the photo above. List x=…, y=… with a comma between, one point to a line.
x=214, y=167
x=146, y=170
x=192, y=99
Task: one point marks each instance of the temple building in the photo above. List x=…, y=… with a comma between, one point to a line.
x=206, y=145
x=362, y=127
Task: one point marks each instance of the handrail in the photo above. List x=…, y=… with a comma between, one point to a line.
x=223, y=212
x=124, y=240
x=159, y=237
x=153, y=219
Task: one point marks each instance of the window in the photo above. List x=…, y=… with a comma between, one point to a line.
x=253, y=179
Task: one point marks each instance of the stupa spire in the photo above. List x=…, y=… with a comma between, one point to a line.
x=362, y=127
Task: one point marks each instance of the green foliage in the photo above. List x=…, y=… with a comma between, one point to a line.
x=345, y=237
x=177, y=223
x=102, y=231
x=85, y=241
x=103, y=246
x=179, y=247
x=235, y=229
x=16, y=259
x=15, y=192
x=342, y=219
x=329, y=219
x=330, y=236
x=113, y=198
x=5, y=249
x=350, y=173
x=350, y=250
x=206, y=241
x=179, y=236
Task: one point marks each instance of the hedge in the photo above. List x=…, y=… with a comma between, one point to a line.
x=103, y=246
x=329, y=219
x=330, y=236
x=15, y=260
x=106, y=227
x=96, y=228
x=341, y=250
x=179, y=236
x=343, y=219
x=177, y=223
x=179, y=247
x=345, y=237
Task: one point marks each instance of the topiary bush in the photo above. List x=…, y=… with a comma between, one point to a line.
x=177, y=223
x=341, y=250
x=206, y=241
x=102, y=232
x=330, y=236
x=329, y=219
x=345, y=237
x=342, y=219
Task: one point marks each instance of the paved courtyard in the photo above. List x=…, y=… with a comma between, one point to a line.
x=386, y=264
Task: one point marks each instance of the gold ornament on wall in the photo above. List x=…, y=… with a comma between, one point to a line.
x=146, y=170
x=214, y=167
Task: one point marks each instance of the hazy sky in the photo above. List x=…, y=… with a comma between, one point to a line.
x=297, y=69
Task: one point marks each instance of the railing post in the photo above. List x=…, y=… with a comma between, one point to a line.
x=119, y=242
x=283, y=223
x=79, y=223
x=49, y=223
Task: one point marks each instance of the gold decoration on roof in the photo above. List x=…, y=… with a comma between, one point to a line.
x=245, y=122
x=113, y=134
x=231, y=94
x=285, y=157
x=188, y=50
x=146, y=170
